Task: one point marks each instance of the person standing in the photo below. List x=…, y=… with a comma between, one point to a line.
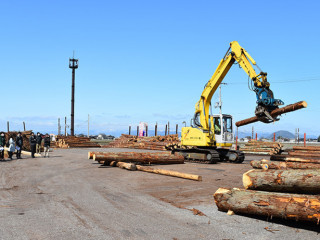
x=19, y=144
x=33, y=142
x=2, y=145
x=12, y=147
x=39, y=140
x=46, y=143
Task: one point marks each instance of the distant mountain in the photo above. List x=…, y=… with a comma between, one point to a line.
x=284, y=134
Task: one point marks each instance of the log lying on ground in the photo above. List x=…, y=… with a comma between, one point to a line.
x=128, y=166
x=169, y=173
x=266, y=164
x=138, y=157
x=29, y=153
x=280, y=205
x=305, y=154
x=90, y=154
x=25, y=152
x=275, y=113
x=309, y=148
x=291, y=180
x=294, y=159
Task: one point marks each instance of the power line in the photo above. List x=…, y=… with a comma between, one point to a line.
x=287, y=81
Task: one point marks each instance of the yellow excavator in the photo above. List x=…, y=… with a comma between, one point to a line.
x=199, y=141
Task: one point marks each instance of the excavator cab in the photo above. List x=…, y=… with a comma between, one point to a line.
x=223, y=130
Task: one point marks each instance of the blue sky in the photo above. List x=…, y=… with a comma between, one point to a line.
x=149, y=60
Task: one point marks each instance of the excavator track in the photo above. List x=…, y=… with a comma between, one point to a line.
x=210, y=155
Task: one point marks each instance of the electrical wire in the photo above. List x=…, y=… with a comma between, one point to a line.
x=288, y=81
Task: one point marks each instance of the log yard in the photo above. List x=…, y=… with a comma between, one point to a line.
x=142, y=147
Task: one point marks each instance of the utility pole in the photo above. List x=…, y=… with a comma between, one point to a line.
x=252, y=132
x=24, y=126
x=59, y=127
x=88, y=124
x=219, y=104
x=65, y=126
x=73, y=64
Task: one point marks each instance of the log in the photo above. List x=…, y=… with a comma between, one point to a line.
x=169, y=173
x=281, y=205
x=293, y=159
x=29, y=153
x=283, y=165
x=292, y=180
x=275, y=113
x=257, y=153
x=304, y=154
x=138, y=157
x=90, y=154
x=128, y=166
x=309, y=148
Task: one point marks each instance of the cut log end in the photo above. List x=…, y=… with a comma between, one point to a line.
x=247, y=182
x=222, y=191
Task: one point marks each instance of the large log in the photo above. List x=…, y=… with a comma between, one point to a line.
x=90, y=154
x=309, y=148
x=305, y=154
x=293, y=159
x=138, y=157
x=275, y=113
x=269, y=204
x=169, y=173
x=266, y=164
x=128, y=166
x=292, y=180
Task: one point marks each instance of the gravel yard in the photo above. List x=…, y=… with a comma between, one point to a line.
x=68, y=196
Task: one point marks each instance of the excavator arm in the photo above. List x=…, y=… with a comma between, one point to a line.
x=265, y=99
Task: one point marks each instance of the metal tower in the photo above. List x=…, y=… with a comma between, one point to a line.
x=73, y=64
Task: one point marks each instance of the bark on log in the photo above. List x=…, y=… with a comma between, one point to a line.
x=169, y=173
x=281, y=205
x=275, y=113
x=29, y=153
x=149, y=158
x=128, y=166
x=90, y=154
x=304, y=154
x=283, y=165
x=292, y=180
x=309, y=148
x=293, y=159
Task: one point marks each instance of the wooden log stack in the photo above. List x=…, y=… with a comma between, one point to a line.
x=262, y=148
x=149, y=143
x=277, y=189
x=25, y=135
x=75, y=142
x=305, y=152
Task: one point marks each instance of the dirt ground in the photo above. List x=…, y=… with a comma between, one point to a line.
x=68, y=196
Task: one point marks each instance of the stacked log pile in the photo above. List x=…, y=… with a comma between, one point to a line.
x=25, y=135
x=150, y=143
x=262, y=148
x=74, y=142
x=310, y=151
x=283, y=189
